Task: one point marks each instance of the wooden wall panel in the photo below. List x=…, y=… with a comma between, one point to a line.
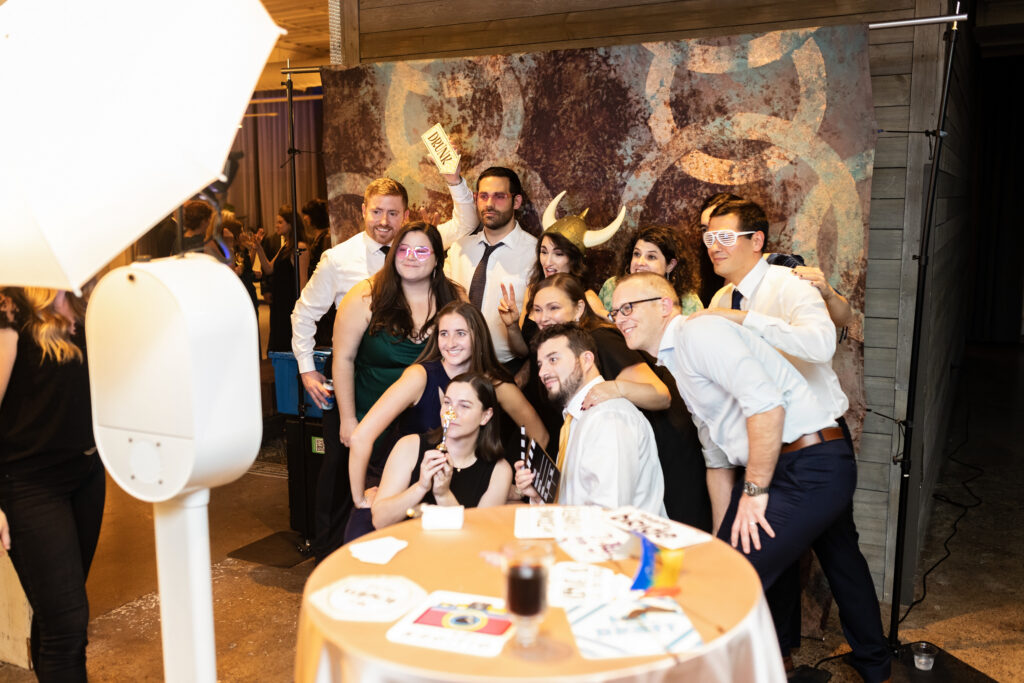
x=434, y=28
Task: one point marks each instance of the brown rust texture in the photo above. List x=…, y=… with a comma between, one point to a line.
x=783, y=118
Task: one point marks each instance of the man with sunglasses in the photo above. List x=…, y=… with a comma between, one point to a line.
x=771, y=302
x=499, y=253
x=787, y=312
x=752, y=407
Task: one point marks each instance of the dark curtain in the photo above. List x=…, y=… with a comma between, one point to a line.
x=263, y=181
x=997, y=230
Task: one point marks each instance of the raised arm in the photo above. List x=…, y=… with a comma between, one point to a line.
x=519, y=409
x=351, y=322
x=399, y=396
x=464, y=219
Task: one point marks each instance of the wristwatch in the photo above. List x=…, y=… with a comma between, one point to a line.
x=752, y=489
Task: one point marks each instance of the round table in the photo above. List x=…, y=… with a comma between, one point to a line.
x=720, y=593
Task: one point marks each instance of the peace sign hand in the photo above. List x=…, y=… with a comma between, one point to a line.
x=507, y=306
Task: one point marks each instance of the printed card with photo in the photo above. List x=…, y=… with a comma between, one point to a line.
x=468, y=624
x=661, y=531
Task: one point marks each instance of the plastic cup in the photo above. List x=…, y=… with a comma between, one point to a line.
x=924, y=655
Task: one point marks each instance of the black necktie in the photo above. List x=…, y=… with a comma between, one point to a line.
x=479, y=281
x=385, y=248
x=737, y=297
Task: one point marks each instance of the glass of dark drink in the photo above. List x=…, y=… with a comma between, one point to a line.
x=526, y=565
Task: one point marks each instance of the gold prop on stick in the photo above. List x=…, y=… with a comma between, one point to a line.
x=446, y=419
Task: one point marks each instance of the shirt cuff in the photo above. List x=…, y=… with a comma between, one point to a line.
x=306, y=364
x=461, y=193
x=756, y=322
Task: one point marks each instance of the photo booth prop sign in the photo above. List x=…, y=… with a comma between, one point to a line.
x=782, y=118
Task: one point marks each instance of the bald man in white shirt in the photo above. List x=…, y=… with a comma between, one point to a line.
x=753, y=407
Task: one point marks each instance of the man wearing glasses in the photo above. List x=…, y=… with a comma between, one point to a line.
x=774, y=304
x=499, y=253
x=754, y=409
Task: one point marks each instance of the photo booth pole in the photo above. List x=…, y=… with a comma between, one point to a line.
x=175, y=382
x=905, y=461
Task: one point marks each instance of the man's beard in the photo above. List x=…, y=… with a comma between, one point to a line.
x=567, y=389
x=499, y=221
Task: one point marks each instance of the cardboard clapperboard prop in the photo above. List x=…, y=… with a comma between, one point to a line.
x=546, y=474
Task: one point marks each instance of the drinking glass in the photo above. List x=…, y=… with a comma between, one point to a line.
x=526, y=565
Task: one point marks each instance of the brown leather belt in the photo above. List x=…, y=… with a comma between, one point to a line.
x=820, y=436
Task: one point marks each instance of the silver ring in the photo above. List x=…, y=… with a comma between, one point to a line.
x=753, y=524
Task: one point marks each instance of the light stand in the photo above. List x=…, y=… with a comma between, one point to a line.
x=946, y=666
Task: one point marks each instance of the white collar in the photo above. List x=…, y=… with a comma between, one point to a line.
x=752, y=279
x=575, y=405
x=372, y=245
x=668, y=337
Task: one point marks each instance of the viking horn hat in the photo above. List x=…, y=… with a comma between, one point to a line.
x=574, y=228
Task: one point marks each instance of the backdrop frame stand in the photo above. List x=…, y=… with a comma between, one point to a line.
x=946, y=665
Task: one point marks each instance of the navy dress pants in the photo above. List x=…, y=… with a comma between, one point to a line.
x=54, y=515
x=810, y=505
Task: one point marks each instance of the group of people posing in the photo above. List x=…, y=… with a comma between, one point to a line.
x=475, y=332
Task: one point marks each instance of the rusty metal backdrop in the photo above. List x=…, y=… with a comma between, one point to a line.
x=783, y=118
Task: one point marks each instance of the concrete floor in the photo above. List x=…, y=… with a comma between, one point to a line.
x=974, y=606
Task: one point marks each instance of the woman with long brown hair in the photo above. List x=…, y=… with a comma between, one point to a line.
x=458, y=343
x=52, y=483
x=381, y=328
x=471, y=472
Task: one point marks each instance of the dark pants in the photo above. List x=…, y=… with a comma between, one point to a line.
x=54, y=515
x=810, y=505
x=333, y=491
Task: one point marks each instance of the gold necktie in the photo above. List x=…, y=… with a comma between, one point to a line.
x=563, y=446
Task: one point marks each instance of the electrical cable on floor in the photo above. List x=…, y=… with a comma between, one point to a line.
x=964, y=507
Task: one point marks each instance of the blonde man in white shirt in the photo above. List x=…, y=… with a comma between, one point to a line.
x=385, y=209
x=607, y=454
x=500, y=254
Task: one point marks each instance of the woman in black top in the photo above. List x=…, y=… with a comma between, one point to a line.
x=472, y=473
x=281, y=267
x=52, y=483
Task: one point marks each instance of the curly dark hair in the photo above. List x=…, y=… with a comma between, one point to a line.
x=683, y=277
x=389, y=311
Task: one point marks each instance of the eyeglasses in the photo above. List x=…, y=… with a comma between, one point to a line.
x=404, y=251
x=627, y=308
x=496, y=196
x=726, y=238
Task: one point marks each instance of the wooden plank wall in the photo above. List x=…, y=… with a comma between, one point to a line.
x=905, y=68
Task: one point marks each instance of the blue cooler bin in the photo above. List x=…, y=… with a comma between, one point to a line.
x=287, y=382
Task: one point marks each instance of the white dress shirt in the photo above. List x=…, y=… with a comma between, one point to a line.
x=725, y=374
x=357, y=258
x=611, y=458
x=509, y=264
x=790, y=314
